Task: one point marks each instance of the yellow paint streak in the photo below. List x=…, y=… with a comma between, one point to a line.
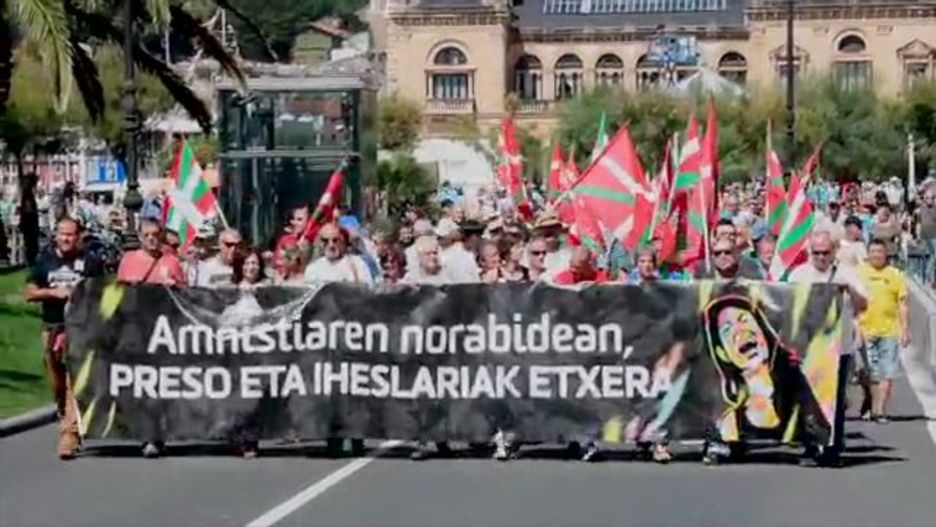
x=611, y=432
x=84, y=373
x=110, y=300
x=110, y=419
x=87, y=416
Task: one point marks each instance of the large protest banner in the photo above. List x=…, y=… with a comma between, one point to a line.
x=458, y=362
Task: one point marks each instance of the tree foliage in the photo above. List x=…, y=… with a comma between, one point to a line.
x=401, y=181
x=399, y=121
x=863, y=135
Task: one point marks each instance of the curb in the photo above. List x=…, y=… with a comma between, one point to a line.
x=28, y=420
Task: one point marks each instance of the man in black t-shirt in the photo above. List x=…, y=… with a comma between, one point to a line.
x=55, y=275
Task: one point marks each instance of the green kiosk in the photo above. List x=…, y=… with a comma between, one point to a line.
x=281, y=140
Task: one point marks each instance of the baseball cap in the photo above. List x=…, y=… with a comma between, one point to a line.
x=422, y=227
x=447, y=228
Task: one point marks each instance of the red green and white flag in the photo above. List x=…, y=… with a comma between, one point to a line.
x=664, y=224
x=554, y=187
x=689, y=198
x=709, y=172
x=326, y=210
x=601, y=141
x=191, y=200
x=776, y=204
x=794, y=235
x=510, y=167
x=615, y=192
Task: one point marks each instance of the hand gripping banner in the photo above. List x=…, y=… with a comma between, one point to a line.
x=615, y=362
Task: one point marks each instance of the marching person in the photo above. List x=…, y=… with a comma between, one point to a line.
x=581, y=269
x=883, y=325
x=536, y=259
x=452, y=251
x=512, y=269
x=489, y=261
x=429, y=270
x=822, y=268
x=337, y=265
x=55, y=275
x=250, y=269
x=152, y=263
x=851, y=251
x=219, y=270
x=290, y=266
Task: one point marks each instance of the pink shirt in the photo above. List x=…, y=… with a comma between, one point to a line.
x=135, y=265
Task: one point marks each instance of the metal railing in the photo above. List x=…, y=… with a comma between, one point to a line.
x=450, y=106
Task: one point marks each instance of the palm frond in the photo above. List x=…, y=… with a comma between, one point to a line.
x=159, y=12
x=46, y=25
x=251, y=25
x=186, y=25
x=85, y=73
x=103, y=28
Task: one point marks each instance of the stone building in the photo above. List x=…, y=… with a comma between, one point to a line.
x=461, y=58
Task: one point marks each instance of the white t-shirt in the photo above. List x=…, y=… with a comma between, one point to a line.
x=412, y=257
x=844, y=275
x=213, y=273
x=460, y=263
x=446, y=275
x=851, y=253
x=349, y=268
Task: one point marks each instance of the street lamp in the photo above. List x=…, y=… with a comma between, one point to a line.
x=133, y=201
x=790, y=92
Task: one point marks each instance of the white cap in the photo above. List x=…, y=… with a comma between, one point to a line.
x=447, y=228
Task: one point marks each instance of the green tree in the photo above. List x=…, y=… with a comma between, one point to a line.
x=399, y=121
x=401, y=181
x=919, y=117
x=62, y=30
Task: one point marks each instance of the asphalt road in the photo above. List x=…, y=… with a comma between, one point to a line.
x=890, y=479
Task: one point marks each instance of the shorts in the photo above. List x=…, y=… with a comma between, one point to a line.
x=883, y=358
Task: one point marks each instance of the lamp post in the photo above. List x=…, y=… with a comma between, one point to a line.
x=790, y=92
x=133, y=201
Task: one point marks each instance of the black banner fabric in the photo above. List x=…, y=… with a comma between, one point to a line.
x=459, y=362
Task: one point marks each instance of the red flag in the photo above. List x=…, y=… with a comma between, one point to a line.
x=811, y=163
x=710, y=162
x=663, y=228
x=510, y=168
x=554, y=187
x=614, y=189
x=689, y=198
x=328, y=204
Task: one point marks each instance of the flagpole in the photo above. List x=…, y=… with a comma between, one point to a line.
x=224, y=221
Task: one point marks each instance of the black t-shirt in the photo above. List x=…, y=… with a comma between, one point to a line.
x=53, y=271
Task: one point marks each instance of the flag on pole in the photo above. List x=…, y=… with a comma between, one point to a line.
x=662, y=227
x=554, y=187
x=601, y=141
x=689, y=198
x=776, y=205
x=794, y=235
x=325, y=211
x=615, y=191
x=191, y=200
x=710, y=170
x=812, y=163
x=510, y=167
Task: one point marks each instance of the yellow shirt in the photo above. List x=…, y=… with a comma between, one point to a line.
x=887, y=289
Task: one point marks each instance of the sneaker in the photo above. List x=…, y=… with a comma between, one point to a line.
x=501, y=450
x=592, y=453
x=716, y=453
x=882, y=420
x=866, y=415
x=150, y=451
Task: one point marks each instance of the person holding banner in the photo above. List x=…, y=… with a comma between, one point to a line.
x=219, y=270
x=151, y=263
x=55, y=275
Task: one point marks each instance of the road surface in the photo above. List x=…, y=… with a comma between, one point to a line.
x=890, y=479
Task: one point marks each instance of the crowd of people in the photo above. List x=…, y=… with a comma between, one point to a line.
x=858, y=238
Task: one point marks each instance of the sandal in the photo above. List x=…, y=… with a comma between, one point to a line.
x=662, y=453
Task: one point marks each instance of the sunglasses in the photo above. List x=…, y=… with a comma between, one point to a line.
x=538, y=253
x=722, y=253
x=821, y=253
x=229, y=244
x=330, y=240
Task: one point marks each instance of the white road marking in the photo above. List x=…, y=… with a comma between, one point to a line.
x=318, y=488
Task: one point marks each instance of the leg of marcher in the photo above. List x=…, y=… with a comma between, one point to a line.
x=66, y=406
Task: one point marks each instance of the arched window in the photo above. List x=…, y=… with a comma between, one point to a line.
x=568, y=76
x=450, y=56
x=528, y=78
x=852, y=44
x=609, y=70
x=733, y=66
x=851, y=70
x=648, y=74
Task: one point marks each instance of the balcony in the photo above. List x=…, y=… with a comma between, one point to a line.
x=529, y=107
x=450, y=106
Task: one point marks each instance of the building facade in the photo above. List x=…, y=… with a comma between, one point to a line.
x=463, y=58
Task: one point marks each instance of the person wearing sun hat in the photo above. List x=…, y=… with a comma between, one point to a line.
x=550, y=228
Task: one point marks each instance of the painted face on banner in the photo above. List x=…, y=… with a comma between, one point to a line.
x=744, y=341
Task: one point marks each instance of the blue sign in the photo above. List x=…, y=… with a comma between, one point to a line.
x=109, y=170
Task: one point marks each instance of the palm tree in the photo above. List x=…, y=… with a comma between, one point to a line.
x=60, y=28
